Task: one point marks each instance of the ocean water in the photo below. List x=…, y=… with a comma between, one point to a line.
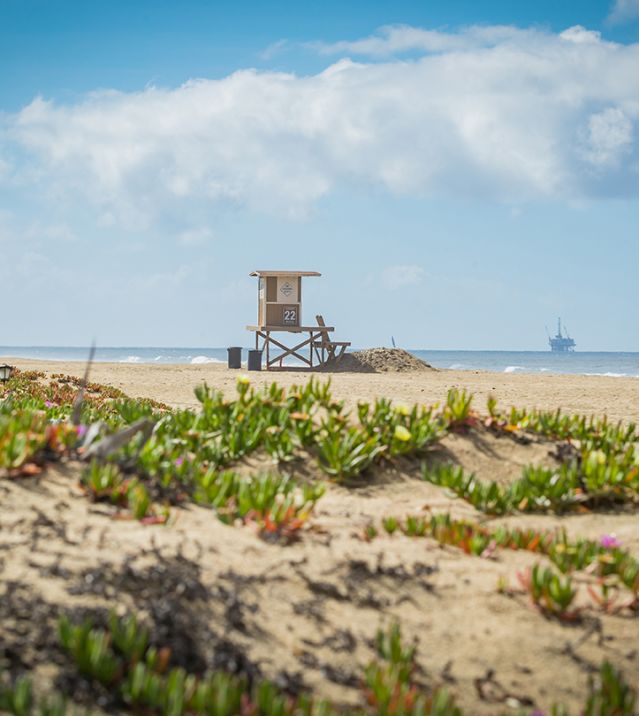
x=193, y=356
x=613, y=364
x=577, y=363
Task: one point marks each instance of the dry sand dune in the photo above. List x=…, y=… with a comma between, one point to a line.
x=305, y=614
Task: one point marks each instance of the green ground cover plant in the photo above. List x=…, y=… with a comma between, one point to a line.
x=594, y=478
x=614, y=568
x=557, y=425
x=457, y=410
x=166, y=456
x=549, y=591
x=144, y=459
x=140, y=679
x=223, y=431
x=278, y=505
x=17, y=698
x=143, y=453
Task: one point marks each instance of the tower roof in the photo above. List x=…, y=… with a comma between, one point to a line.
x=260, y=272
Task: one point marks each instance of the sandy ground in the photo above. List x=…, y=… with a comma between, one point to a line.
x=306, y=614
x=618, y=398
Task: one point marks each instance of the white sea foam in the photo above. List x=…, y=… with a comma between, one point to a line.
x=202, y=360
x=131, y=359
x=613, y=375
x=459, y=366
x=513, y=368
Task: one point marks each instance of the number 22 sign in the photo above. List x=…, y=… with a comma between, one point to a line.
x=290, y=316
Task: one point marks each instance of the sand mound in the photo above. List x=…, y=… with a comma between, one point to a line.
x=305, y=614
x=378, y=360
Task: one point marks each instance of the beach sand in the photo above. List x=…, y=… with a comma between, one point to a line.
x=306, y=614
x=618, y=398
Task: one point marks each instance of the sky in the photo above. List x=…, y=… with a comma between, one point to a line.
x=461, y=172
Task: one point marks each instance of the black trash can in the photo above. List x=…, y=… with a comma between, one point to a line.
x=235, y=357
x=255, y=360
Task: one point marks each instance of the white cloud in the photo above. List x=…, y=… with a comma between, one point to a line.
x=496, y=112
x=624, y=11
x=395, y=277
x=397, y=39
x=580, y=36
x=608, y=137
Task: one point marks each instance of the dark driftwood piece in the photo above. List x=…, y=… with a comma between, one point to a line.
x=79, y=398
x=110, y=444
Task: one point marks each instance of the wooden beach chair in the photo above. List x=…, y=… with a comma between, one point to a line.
x=326, y=349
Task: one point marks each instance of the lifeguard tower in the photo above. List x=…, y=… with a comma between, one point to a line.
x=279, y=310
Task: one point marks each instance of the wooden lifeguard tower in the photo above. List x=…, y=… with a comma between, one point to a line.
x=279, y=310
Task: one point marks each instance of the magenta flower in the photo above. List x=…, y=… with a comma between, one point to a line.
x=179, y=461
x=81, y=430
x=610, y=541
x=47, y=403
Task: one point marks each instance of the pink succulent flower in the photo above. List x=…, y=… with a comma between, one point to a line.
x=610, y=541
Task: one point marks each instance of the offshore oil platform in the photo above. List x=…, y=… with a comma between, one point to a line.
x=561, y=343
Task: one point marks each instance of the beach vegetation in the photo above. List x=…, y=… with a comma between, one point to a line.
x=105, y=482
x=276, y=504
x=143, y=459
x=458, y=412
x=390, y=687
x=390, y=524
x=345, y=451
x=595, y=432
x=610, y=695
x=399, y=429
x=597, y=478
x=157, y=454
x=90, y=649
x=613, y=568
x=17, y=698
x=549, y=591
x=178, y=452
x=140, y=678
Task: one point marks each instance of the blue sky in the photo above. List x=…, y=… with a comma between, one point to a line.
x=460, y=172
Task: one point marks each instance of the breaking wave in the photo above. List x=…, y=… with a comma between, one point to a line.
x=203, y=360
x=613, y=375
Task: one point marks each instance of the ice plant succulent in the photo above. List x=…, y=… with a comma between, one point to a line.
x=609, y=541
x=457, y=410
x=552, y=594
